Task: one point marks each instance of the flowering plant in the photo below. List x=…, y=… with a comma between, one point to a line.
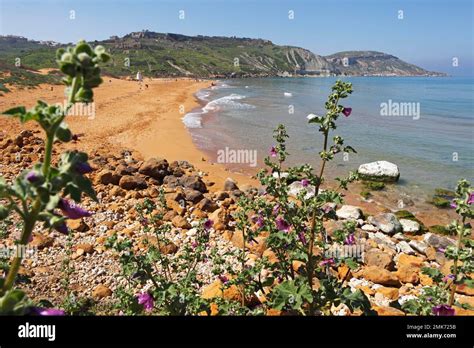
x=298, y=275
x=439, y=298
x=46, y=192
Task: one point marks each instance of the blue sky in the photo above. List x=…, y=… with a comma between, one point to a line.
x=431, y=33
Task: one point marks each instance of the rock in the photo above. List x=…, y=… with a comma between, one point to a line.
x=376, y=257
x=421, y=247
x=171, y=181
x=436, y=241
x=217, y=289
x=125, y=170
x=404, y=247
x=230, y=185
x=386, y=222
x=296, y=187
x=391, y=293
x=369, y=228
x=193, y=182
x=87, y=247
x=180, y=222
x=193, y=195
x=409, y=260
x=135, y=182
x=380, y=276
x=388, y=311
x=101, y=291
x=156, y=168
x=349, y=212
x=381, y=238
x=106, y=177
x=77, y=225
x=379, y=171
x=409, y=268
x=465, y=290
x=409, y=226
x=207, y=205
x=220, y=219
x=41, y=241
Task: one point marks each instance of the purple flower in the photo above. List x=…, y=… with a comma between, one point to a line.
x=282, y=225
x=327, y=209
x=443, y=310
x=194, y=244
x=258, y=220
x=305, y=182
x=72, y=210
x=347, y=111
x=442, y=250
x=453, y=204
x=273, y=151
x=33, y=177
x=62, y=228
x=448, y=278
x=83, y=168
x=48, y=311
x=276, y=210
x=302, y=238
x=146, y=300
x=470, y=200
x=208, y=224
x=350, y=239
x=223, y=278
x=327, y=262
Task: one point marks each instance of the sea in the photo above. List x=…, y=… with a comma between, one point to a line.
x=425, y=125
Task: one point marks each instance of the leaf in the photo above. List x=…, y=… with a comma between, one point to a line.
x=16, y=111
x=63, y=133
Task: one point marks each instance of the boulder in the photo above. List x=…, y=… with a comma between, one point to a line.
x=106, y=177
x=381, y=276
x=386, y=222
x=409, y=226
x=193, y=196
x=193, y=182
x=379, y=171
x=230, y=185
x=376, y=257
x=101, y=291
x=156, y=168
x=180, y=222
x=296, y=187
x=404, y=247
x=437, y=241
x=132, y=182
x=349, y=212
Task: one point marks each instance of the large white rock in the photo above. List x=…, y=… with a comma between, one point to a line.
x=349, y=212
x=409, y=225
x=296, y=187
x=379, y=170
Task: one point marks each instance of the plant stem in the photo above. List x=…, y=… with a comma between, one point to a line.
x=455, y=272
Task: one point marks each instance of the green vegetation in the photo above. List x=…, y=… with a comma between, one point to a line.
x=374, y=185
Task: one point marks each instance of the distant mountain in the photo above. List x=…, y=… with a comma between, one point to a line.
x=158, y=54
x=370, y=63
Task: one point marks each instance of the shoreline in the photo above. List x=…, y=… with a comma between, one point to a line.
x=148, y=122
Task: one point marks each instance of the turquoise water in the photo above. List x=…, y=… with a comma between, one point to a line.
x=432, y=149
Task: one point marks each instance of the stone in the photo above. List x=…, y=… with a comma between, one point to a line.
x=220, y=219
x=230, y=185
x=386, y=222
x=369, y=228
x=193, y=196
x=437, y=241
x=180, y=222
x=409, y=226
x=404, y=247
x=207, y=205
x=349, y=212
x=41, y=241
x=380, y=276
x=101, y=291
x=217, y=289
x=408, y=274
x=391, y=293
x=388, y=311
x=409, y=260
x=77, y=225
x=381, y=238
x=378, y=258
x=156, y=168
x=193, y=182
x=296, y=187
x=421, y=247
x=379, y=171
x=135, y=182
x=87, y=247
x=106, y=177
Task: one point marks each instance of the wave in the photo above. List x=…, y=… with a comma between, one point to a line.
x=229, y=102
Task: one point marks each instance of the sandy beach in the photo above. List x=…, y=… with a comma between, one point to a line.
x=146, y=120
